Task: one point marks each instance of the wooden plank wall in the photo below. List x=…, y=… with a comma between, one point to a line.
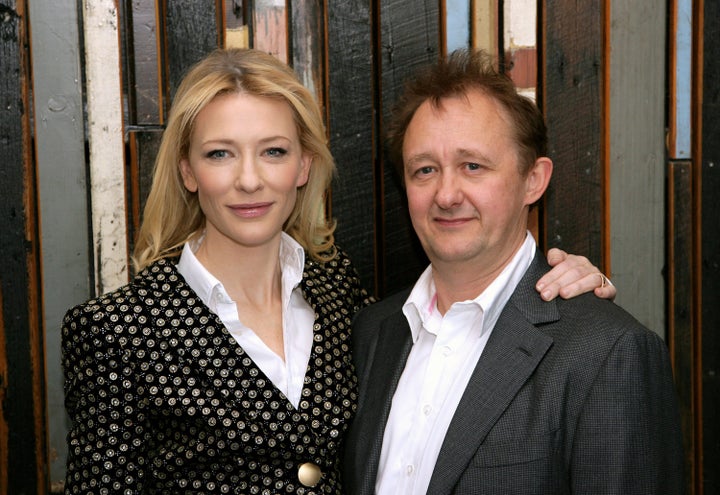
x=706, y=183
x=572, y=72
x=355, y=55
x=22, y=411
x=63, y=187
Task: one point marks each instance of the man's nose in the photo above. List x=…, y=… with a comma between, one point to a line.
x=448, y=193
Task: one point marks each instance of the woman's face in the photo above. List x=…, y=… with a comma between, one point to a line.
x=245, y=162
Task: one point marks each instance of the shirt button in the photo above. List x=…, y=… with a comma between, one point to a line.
x=446, y=350
x=410, y=469
x=427, y=409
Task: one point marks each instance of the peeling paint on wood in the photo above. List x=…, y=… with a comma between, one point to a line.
x=105, y=136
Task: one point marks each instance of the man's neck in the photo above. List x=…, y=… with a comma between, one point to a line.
x=466, y=280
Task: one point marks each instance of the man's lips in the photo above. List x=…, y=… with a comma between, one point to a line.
x=251, y=210
x=451, y=222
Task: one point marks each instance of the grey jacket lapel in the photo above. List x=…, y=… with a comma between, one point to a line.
x=512, y=353
x=391, y=352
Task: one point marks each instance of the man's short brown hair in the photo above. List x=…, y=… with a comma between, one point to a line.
x=455, y=75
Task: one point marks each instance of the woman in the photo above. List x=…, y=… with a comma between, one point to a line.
x=224, y=366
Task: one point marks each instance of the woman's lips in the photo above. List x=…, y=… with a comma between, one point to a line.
x=251, y=210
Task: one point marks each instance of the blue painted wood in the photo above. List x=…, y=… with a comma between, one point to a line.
x=457, y=24
x=682, y=144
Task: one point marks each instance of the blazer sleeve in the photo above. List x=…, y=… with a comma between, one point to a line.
x=106, y=440
x=628, y=439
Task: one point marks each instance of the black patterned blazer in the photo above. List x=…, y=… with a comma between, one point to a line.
x=162, y=399
x=568, y=397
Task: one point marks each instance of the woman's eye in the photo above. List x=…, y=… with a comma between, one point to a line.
x=276, y=152
x=217, y=154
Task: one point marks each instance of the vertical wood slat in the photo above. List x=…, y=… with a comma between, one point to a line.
x=145, y=95
x=4, y=375
x=484, y=27
x=707, y=183
x=572, y=68
x=680, y=79
x=307, y=42
x=21, y=381
x=105, y=136
x=410, y=38
x=352, y=138
x=143, y=145
x=191, y=32
x=680, y=303
x=458, y=22
x=637, y=166
x=270, y=28
x=236, y=32
x=61, y=168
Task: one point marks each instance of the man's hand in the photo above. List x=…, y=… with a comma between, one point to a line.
x=571, y=276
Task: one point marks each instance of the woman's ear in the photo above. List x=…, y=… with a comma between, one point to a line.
x=305, y=163
x=187, y=175
x=537, y=179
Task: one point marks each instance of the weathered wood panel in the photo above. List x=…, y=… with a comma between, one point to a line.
x=63, y=194
x=409, y=38
x=21, y=382
x=709, y=175
x=101, y=34
x=143, y=145
x=351, y=129
x=484, y=27
x=572, y=66
x=270, y=28
x=307, y=45
x=637, y=159
x=681, y=334
x=190, y=32
x=144, y=76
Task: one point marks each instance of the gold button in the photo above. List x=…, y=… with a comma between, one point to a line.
x=309, y=474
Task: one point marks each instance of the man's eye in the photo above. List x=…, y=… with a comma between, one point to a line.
x=473, y=166
x=425, y=170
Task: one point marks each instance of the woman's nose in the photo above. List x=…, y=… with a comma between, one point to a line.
x=248, y=176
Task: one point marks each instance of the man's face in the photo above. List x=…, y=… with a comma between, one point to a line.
x=467, y=199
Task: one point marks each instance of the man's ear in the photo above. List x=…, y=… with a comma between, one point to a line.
x=537, y=179
x=187, y=175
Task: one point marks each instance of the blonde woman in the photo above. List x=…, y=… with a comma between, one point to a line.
x=224, y=366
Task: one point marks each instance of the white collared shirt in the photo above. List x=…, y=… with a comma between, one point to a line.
x=443, y=356
x=298, y=317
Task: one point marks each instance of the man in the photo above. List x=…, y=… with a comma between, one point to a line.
x=471, y=382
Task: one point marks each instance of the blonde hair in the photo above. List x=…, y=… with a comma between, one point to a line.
x=172, y=214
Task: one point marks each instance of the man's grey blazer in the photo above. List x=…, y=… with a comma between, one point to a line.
x=569, y=396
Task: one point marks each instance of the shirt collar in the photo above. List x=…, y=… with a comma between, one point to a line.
x=206, y=285
x=421, y=304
